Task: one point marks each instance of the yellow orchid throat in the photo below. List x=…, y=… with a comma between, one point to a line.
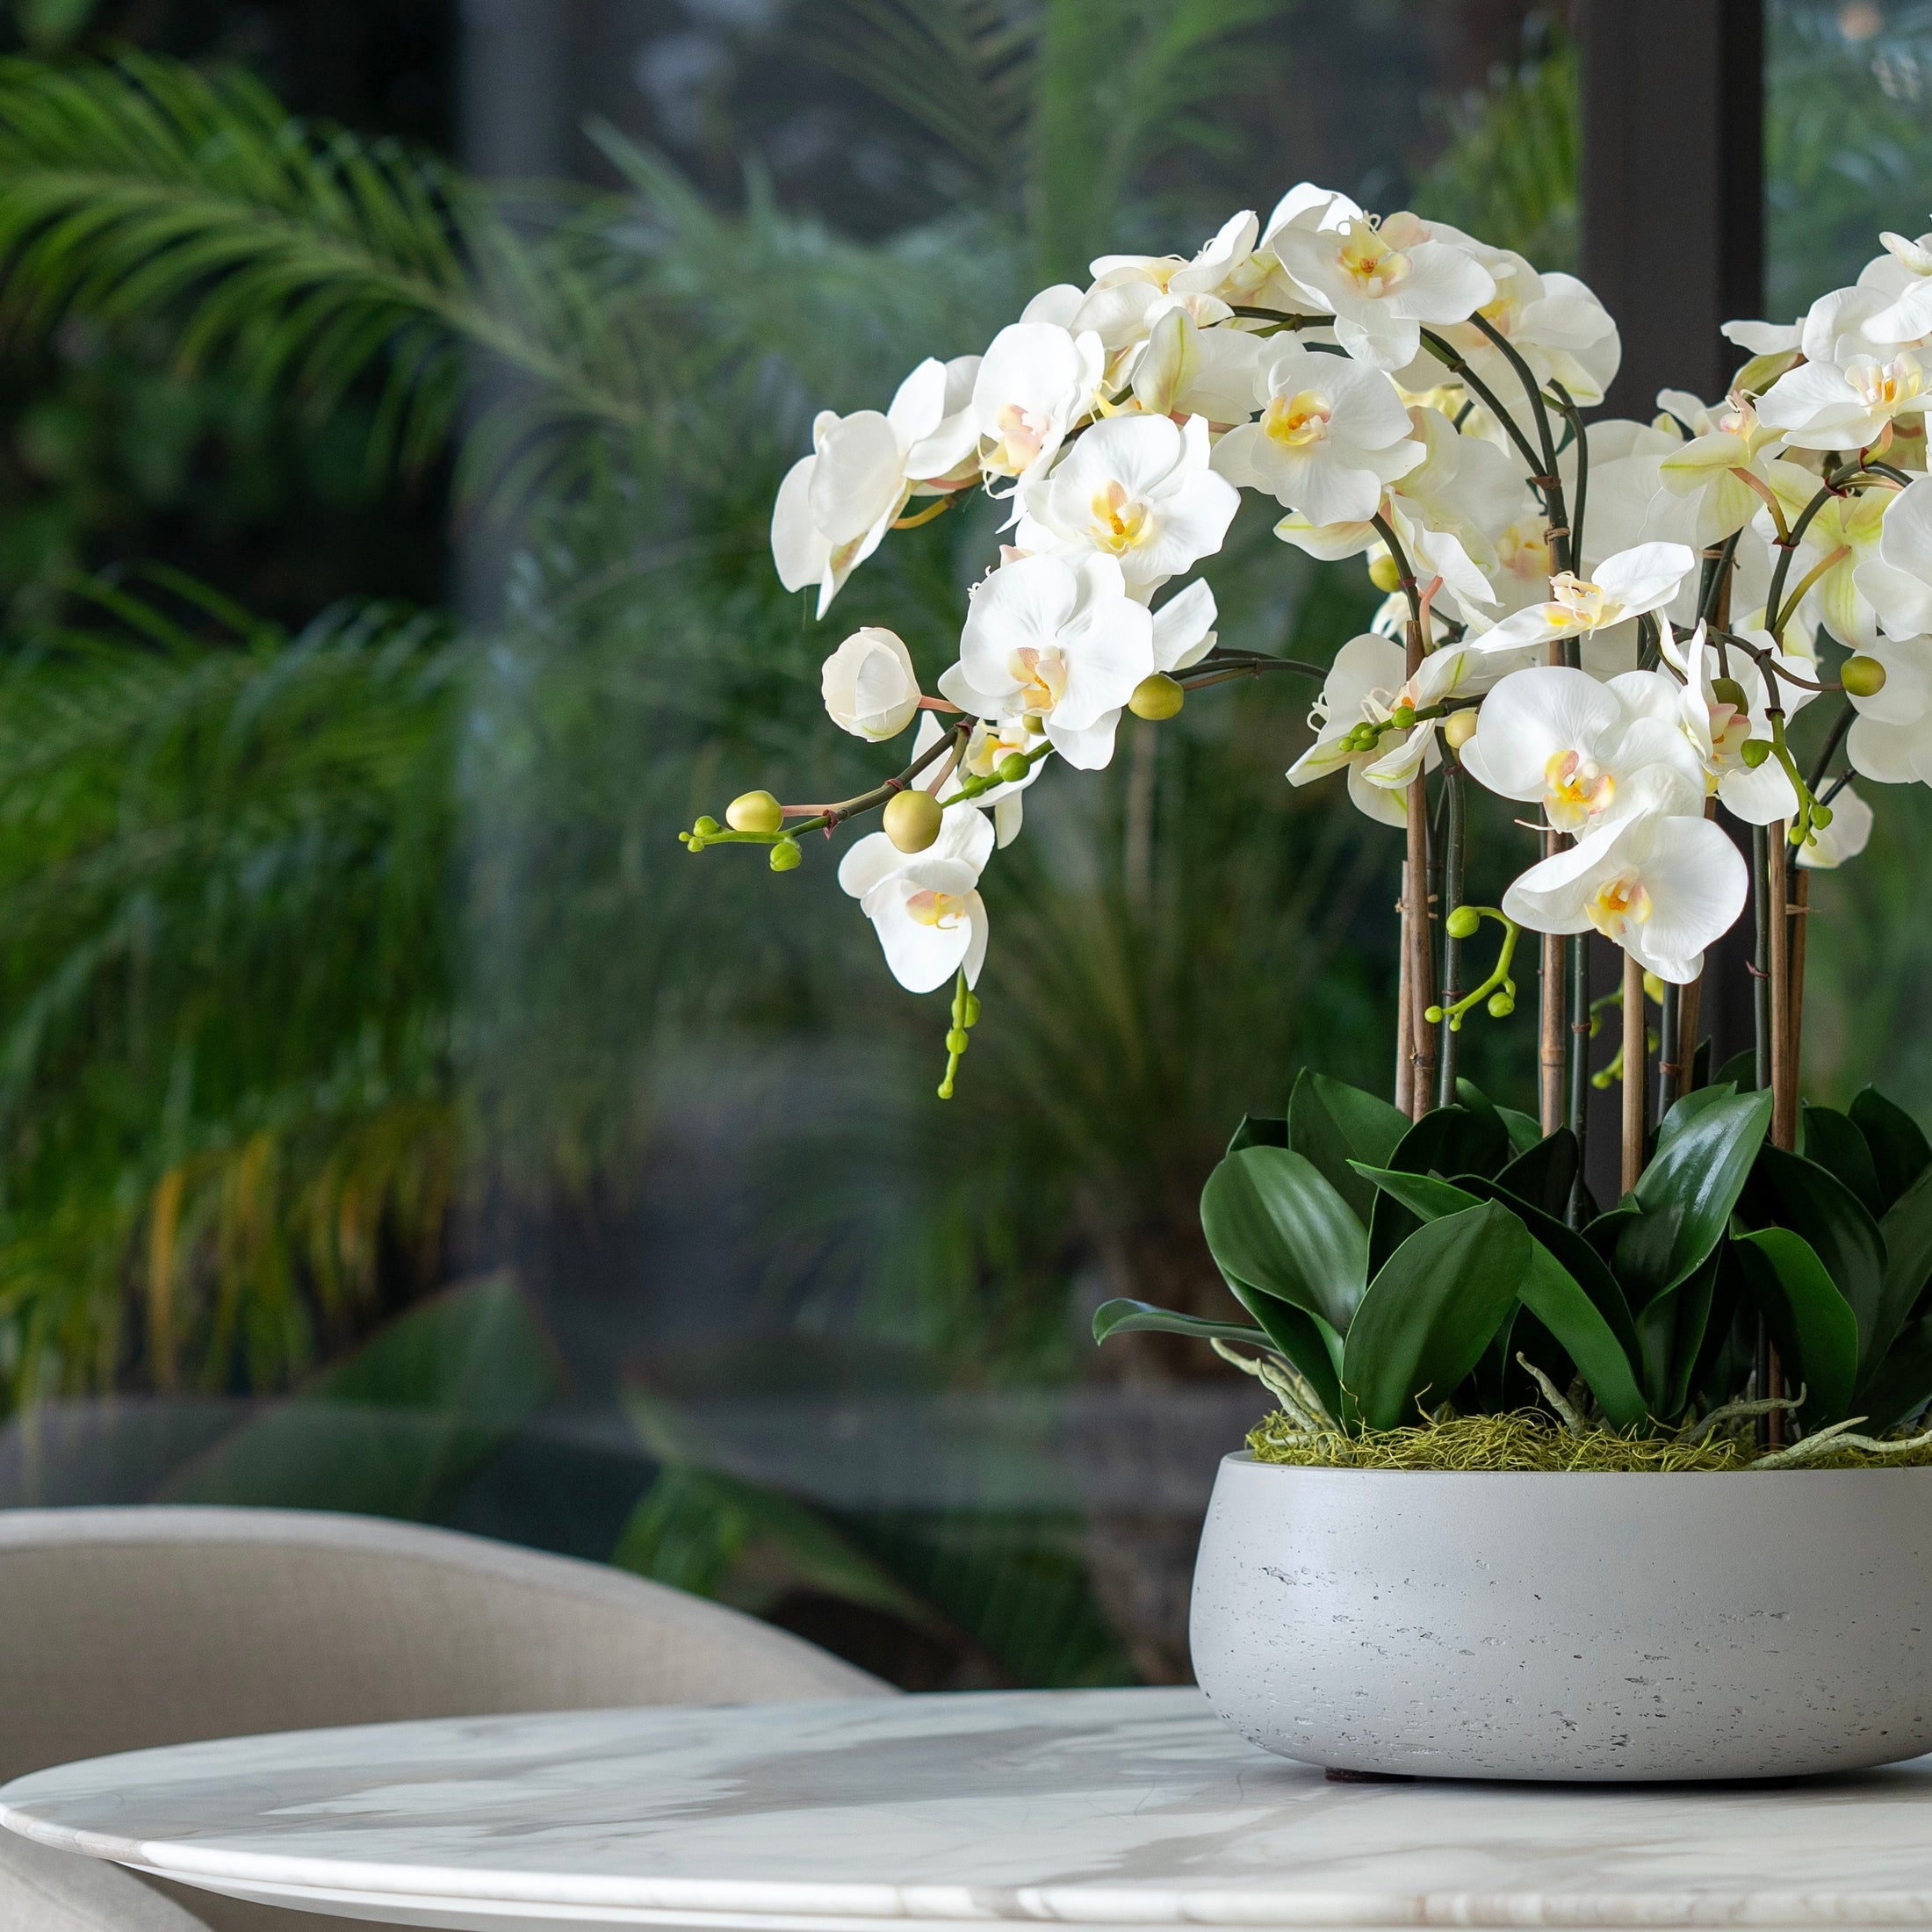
x=932, y=907
x=1617, y=904
x=1298, y=421
x=1574, y=791
x=1369, y=262
x=1121, y=522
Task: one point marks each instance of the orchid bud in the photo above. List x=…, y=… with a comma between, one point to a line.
x=956, y=1042
x=1402, y=717
x=1729, y=691
x=868, y=685
x=969, y=1011
x=1862, y=676
x=1458, y=728
x=1011, y=768
x=785, y=855
x=707, y=827
x=1822, y=816
x=1462, y=923
x=1156, y=697
x=1755, y=751
x=1501, y=1005
x=1382, y=572
x=913, y=820
x=755, y=811
x=1434, y=1015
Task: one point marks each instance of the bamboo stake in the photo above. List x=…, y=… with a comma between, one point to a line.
x=1405, y=1059
x=1636, y=1071
x=1551, y=1024
x=1800, y=918
x=1417, y=948
x=1784, y=1081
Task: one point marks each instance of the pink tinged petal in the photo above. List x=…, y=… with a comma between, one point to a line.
x=798, y=548
x=1184, y=627
x=1537, y=714
x=1643, y=577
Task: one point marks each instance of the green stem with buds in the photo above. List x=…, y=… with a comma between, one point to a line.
x=1498, y=990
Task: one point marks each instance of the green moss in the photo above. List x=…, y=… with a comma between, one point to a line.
x=1527, y=1440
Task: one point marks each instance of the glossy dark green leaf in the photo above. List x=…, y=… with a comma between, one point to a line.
x=1900, y=1153
x=1273, y=1222
x=1428, y=1197
x=1259, y=1130
x=1453, y=1140
x=1544, y=1175
x=1332, y=1124
x=1907, y=1232
x=1552, y=1294
x=1903, y=1380
x=1430, y=1311
x=1700, y=1168
x=1307, y=1340
x=1522, y=1129
x=1791, y=1192
x=1686, y=1110
x=1121, y=1316
x=1671, y=1333
x=1644, y=1258
x=1834, y=1141
x=1739, y=1071
x=1812, y=1325
x=1719, y=1371
x=1587, y=1267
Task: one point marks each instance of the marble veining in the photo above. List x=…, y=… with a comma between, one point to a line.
x=1119, y=1808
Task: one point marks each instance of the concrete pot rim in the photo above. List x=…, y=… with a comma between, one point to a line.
x=1306, y=1469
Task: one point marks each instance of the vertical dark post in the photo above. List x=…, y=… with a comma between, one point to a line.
x=1672, y=198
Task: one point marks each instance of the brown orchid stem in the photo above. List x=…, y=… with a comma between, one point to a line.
x=1636, y=1071
x=1417, y=947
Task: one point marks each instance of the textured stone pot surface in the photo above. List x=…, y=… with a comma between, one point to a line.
x=1467, y=1625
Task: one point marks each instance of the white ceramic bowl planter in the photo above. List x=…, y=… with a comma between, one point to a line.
x=1490, y=1625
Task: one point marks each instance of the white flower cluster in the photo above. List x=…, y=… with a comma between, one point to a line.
x=1403, y=391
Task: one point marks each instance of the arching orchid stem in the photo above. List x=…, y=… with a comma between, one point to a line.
x=1766, y=662
x=1834, y=738
x=1787, y=548
x=1450, y=358
x=1776, y=625
x=825, y=817
x=913, y=522
x=941, y=704
x=1285, y=321
x=1756, y=483
x=1549, y=483
x=1575, y=417
x=1405, y=576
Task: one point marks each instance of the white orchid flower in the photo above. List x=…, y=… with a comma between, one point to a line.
x=1036, y=381
x=1057, y=643
x=1660, y=887
x=869, y=686
x=1331, y=433
x=1432, y=554
x=1630, y=584
x=1773, y=347
x=1366, y=684
x=1380, y=281
x=1184, y=370
x=1553, y=322
x=1137, y=488
x=1844, y=537
x=1225, y=268
x=988, y=744
x=1554, y=736
x=1718, y=728
x=1184, y=627
x=836, y=505
x=1902, y=277
x=1848, y=834
x=926, y=906
x=1704, y=495
x=1845, y=406
x=1897, y=583
x=1891, y=739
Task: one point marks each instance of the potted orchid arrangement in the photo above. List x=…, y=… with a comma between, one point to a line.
x=1610, y=627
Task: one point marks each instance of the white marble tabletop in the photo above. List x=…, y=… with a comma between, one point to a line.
x=1103, y=1808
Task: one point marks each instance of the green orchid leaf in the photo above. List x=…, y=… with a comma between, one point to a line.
x=1686, y=1110
x=1124, y=1315
x=1834, y=1141
x=1583, y=1262
x=1259, y=1130
x=1672, y=1330
x=1333, y=1124
x=1524, y=1130
x=1430, y=1311
x=1273, y=1222
x=1554, y=1296
x=1305, y=1339
x=1425, y=1196
x=1711, y=1377
x=1791, y=1192
x=1739, y=1072
x=1905, y=1230
x=1643, y=1260
x=1811, y=1324
x=1544, y=1175
x=1900, y=1153
x=1453, y=1140
x=1903, y=1382
x=1700, y=1167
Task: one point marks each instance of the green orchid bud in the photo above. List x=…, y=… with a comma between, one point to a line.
x=1458, y=728
x=1501, y=1005
x=913, y=820
x=755, y=811
x=1156, y=698
x=1434, y=1015
x=1755, y=751
x=1011, y=768
x=785, y=855
x=970, y=1013
x=1862, y=676
x=1822, y=816
x=1402, y=717
x=1463, y=922
x=707, y=827
x=956, y=1041
x=1729, y=691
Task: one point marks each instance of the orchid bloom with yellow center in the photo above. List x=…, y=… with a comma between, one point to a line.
x=1847, y=406
x=1627, y=585
x=1297, y=420
x=1366, y=259
x=1617, y=904
x=1120, y=523
x=1575, y=790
